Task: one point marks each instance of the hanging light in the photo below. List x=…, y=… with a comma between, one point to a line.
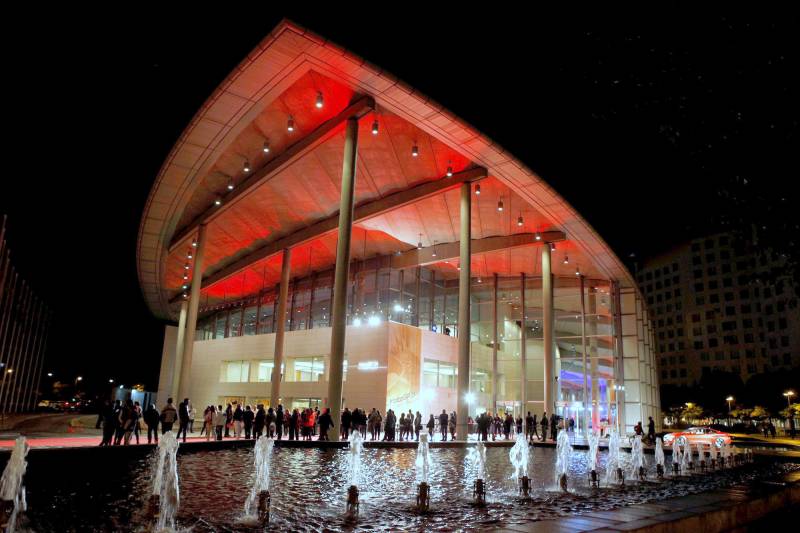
x=189, y=254
x=500, y=204
x=434, y=249
x=480, y=280
x=449, y=171
x=478, y=189
x=552, y=247
x=577, y=271
x=246, y=166
x=375, y=127
x=290, y=124
x=320, y=101
x=538, y=236
x=185, y=286
x=230, y=184
x=217, y=201
x=519, y=220
x=419, y=244
x=566, y=259
x=186, y=266
x=185, y=295
x=414, y=150
x=185, y=275
x=194, y=243
x=266, y=147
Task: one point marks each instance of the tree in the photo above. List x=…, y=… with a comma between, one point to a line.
x=759, y=413
x=791, y=412
x=692, y=412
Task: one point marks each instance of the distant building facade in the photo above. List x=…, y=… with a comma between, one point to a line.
x=720, y=304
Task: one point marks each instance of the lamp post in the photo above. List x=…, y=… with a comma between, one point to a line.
x=789, y=394
x=729, y=399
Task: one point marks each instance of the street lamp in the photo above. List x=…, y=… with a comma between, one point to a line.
x=789, y=394
x=729, y=399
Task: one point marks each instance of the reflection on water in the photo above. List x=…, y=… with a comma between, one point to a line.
x=308, y=488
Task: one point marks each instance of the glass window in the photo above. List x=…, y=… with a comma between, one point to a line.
x=307, y=369
x=234, y=371
x=264, y=370
x=438, y=374
x=250, y=319
x=235, y=322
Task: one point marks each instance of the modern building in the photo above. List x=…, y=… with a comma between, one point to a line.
x=24, y=325
x=324, y=234
x=721, y=303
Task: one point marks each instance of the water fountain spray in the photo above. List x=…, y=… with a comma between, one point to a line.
x=659, y=456
x=354, y=466
x=423, y=464
x=676, y=458
x=701, y=457
x=519, y=455
x=258, y=501
x=686, y=458
x=613, y=469
x=594, y=445
x=637, y=459
x=563, y=452
x=165, y=497
x=12, y=492
x=477, y=456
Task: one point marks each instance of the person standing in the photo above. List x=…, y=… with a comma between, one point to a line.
x=345, y=423
x=220, y=421
x=418, y=424
x=247, y=421
x=228, y=420
x=294, y=420
x=259, y=421
x=651, y=430
x=544, y=425
x=168, y=416
x=109, y=424
x=129, y=420
x=151, y=419
x=553, y=426
x=279, y=422
x=443, y=424
x=183, y=418
x=192, y=415
x=238, y=421
x=208, y=420
x=528, y=426
x=453, y=426
x=325, y=422
x=389, y=426
x=535, y=430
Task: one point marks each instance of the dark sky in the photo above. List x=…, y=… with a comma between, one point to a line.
x=640, y=124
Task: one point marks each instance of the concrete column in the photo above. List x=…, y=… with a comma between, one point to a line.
x=494, y=344
x=548, y=333
x=592, y=341
x=191, y=320
x=523, y=361
x=339, y=304
x=280, y=330
x=179, y=348
x=464, y=280
x=585, y=402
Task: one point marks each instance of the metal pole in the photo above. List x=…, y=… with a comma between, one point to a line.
x=464, y=280
x=42, y=353
x=37, y=358
x=191, y=321
x=25, y=362
x=280, y=330
x=547, y=330
x=339, y=306
x=417, y=295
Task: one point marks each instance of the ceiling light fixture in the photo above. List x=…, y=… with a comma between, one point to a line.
x=538, y=236
x=434, y=249
x=230, y=184
x=419, y=244
x=478, y=189
x=552, y=247
x=266, y=147
x=246, y=166
x=217, y=201
x=566, y=259
x=414, y=150
x=519, y=220
x=449, y=170
x=320, y=102
x=290, y=124
x=186, y=266
x=189, y=254
x=194, y=243
x=500, y=204
x=375, y=127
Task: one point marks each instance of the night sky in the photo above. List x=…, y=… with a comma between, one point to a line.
x=649, y=127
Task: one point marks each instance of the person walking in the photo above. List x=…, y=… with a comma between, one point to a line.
x=509, y=420
x=151, y=419
x=431, y=426
x=651, y=430
x=168, y=416
x=238, y=421
x=183, y=418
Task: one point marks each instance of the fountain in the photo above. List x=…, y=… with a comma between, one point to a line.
x=614, y=467
x=563, y=451
x=676, y=458
x=519, y=455
x=165, y=497
x=12, y=492
x=686, y=458
x=354, y=463
x=701, y=457
x=594, y=444
x=477, y=457
x=258, y=501
x=637, y=459
x=659, y=458
x=423, y=464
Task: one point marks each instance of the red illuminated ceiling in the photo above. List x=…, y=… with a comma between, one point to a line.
x=281, y=79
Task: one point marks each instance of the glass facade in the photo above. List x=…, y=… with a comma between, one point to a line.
x=506, y=325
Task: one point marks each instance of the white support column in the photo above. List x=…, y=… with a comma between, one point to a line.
x=523, y=361
x=548, y=333
x=280, y=330
x=179, y=347
x=191, y=320
x=464, y=280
